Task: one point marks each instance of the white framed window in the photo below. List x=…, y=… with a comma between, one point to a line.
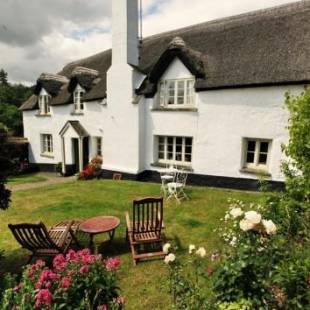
x=175, y=150
x=46, y=144
x=98, y=146
x=78, y=99
x=44, y=99
x=257, y=154
x=176, y=93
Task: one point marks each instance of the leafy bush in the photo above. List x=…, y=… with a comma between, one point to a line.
x=93, y=169
x=78, y=280
x=187, y=280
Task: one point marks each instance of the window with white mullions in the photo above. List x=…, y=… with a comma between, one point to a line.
x=78, y=99
x=176, y=150
x=46, y=144
x=176, y=93
x=44, y=99
x=99, y=146
x=257, y=153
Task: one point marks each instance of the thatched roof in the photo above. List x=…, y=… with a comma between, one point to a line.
x=266, y=47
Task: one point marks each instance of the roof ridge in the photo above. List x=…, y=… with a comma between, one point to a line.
x=284, y=8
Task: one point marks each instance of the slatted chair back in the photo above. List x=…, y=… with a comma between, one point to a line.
x=147, y=216
x=33, y=236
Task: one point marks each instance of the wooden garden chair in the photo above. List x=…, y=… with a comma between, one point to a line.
x=42, y=242
x=145, y=228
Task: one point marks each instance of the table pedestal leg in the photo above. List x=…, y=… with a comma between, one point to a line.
x=111, y=234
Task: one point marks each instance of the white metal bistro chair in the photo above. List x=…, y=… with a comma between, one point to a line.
x=167, y=176
x=176, y=189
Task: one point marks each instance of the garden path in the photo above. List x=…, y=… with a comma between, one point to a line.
x=51, y=178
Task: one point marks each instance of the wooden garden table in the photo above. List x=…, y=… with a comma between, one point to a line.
x=98, y=225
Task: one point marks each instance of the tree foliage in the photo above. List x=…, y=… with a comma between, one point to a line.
x=11, y=98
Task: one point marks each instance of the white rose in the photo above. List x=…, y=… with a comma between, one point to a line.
x=270, y=227
x=201, y=252
x=191, y=248
x=236, y=212
x=169, y=258
x=246, y=225
x=166, y=248
x=233, y=241
x=226, y=217
x=253, y=217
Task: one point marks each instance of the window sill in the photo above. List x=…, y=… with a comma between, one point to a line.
x=160, y=165
x=43, y=115
x=46, y=155
x=257, y=172
x=77, y=113
x=179, y=109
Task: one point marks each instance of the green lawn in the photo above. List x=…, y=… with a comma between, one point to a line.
x=27, y=178
x=192, y=222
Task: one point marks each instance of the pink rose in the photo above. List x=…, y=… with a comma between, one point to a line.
x=43, y=298
x=102, y=307
x=84, y=269
x=112, y=263
x=120, y=300
x=40, y=263
x=210, y=271
x=71, y=255
x=88, y=259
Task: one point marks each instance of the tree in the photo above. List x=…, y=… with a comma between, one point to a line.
x=5, y=166
x=3, y=77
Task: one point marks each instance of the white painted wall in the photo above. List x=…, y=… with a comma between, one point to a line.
x=93, y=121
x=223, y=119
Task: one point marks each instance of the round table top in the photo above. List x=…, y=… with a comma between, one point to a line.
x=99, y=224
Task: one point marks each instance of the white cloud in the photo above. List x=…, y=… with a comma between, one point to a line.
x=51, y=33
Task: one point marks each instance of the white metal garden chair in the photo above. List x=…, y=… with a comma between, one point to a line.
x=167, y=175
x=176, y=188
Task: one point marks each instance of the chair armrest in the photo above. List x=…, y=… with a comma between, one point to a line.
x=128, y=222
x=66, y=232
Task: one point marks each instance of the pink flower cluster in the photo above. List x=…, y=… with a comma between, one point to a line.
x=44, y=298
x=112, y=264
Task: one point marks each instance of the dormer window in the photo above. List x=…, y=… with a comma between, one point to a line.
x=78, y=99
x=176, y=93
x=44, y=99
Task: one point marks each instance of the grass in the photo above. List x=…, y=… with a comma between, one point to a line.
x=192, y=222
x=28, y=178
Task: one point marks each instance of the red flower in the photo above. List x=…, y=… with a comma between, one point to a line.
x=84, y=269
x=59, y=262
x=65, y=282
x=112, y=263
x=210, y=271
x=44, y=298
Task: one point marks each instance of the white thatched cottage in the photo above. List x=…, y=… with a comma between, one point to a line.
x=208, y=98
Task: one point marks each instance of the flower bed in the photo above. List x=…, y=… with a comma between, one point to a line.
x=78, y=280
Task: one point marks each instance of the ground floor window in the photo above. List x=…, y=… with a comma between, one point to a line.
x=46, y=144
x=98, y=146
x=257, y=153
x=174, y=149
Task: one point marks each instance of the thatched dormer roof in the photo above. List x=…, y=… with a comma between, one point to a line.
x=266, y=47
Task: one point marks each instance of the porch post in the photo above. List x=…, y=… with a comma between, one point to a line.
x=63, y=150
x=81, y=153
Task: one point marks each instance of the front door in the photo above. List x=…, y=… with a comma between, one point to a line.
x=76, y=157
x=85, y=151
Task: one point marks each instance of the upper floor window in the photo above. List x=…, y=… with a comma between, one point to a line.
x=257, y=153
x=46, y=144
x=78, y=99
x=176, y=93
x=175, y=150
x=44, y=99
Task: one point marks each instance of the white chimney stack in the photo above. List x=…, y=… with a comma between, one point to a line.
x=125, y=28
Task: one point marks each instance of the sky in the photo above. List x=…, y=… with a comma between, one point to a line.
x=44, y=35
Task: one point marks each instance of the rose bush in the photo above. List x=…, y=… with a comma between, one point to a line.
x=78, y=280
